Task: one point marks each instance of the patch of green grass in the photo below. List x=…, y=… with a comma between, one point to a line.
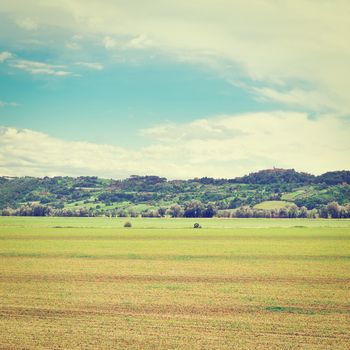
x=288, y=309
x=83, y=256
x=134, y=256
x=32, y=224
x=171, y=287
x=64, y=227
x=272, y=205
x=291, y=196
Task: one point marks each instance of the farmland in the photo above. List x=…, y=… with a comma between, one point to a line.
x=90, y=283
x=272, y=205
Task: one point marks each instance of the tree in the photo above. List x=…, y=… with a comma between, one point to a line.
x=333, y=209
x=312, y=214
x=283, y=213
x=293, y=211
x=149, y=213
x=122, y=213
x=40, y=210
x=132, y=213
x=345, y=211
x=83, y=212
x=7, y=212
x=209, y=211
x=323, y=212
x=303, y=212
x=161, y=211
x=194, y=209
x=176, y=211
x=224, y=214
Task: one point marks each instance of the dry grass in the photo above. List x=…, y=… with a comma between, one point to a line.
x=173, y=288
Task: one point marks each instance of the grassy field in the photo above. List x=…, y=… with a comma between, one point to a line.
x=89, y=283
x=272, y=205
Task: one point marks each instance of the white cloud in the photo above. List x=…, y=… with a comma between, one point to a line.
x=42, y=154
x=27, y=24
x=73, y=45
x=252, y=141
x=4, y=56
x=77, y=37
x=139, y=42
x=34, y=67
x=276, y=44
x=224, y=146
x=11, y=104
x=74, y=42
x=297, y=97
x=91, y=65
x=109, y=43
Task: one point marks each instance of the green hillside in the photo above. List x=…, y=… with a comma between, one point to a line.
x=156, y=196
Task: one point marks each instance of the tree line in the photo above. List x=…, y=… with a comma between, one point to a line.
x=192, y=209
x=154, y=192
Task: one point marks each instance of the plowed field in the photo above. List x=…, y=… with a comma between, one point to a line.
x=90, y=283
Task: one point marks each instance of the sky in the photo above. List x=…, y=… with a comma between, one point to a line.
x=179, y=89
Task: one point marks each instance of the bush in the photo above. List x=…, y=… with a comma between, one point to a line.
x=127, y=224
x=197, y=225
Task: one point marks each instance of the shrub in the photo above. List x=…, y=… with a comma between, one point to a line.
x=127, y=224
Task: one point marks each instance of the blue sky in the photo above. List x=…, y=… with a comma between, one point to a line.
x=122, y=96
x=114, y=88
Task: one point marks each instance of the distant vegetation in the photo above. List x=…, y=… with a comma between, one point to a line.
x=267, y=193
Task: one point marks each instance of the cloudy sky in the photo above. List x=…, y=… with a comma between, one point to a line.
x=173, y=88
